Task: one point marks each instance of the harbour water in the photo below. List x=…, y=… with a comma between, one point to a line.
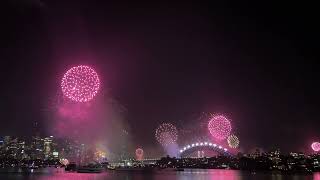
x=189, y=174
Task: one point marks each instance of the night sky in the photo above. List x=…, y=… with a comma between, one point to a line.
x=169, y=62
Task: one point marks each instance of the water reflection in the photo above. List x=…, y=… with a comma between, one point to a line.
x=191, y=174
x=70, y=176
x=316, y=176
x=225, y=175
x=209, y=175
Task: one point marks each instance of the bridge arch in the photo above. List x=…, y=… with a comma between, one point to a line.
x=190, y=148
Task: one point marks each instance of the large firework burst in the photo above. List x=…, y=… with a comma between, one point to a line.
x=219, y=127
x=166, y=134
x=80, y=83
x=315, y=146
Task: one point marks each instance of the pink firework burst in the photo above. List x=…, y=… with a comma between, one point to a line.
x=166, y=134
x=80, y=83
x=315, y=146
x=219, y=127
x=139, y=154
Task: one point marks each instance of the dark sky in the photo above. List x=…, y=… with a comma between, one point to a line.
x=255, y=62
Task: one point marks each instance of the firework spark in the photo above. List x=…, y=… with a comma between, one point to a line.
x=64, y=161
x=233, y=141
x=80, y=83
x=166, y=134
x=219, y=127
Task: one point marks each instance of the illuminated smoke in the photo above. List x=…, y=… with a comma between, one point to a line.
x=172, y=150
x=99, y=123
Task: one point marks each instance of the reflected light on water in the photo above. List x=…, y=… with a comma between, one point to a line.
x=188, y=174
x=276, y=177
x=316, y=176
x=225, y=175
x=210, y=175
x=75, y=176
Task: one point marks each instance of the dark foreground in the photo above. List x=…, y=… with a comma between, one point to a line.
x=188, y=174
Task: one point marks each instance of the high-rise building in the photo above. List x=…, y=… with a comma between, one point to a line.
x=11, y=146
x=47, y=147
x=36, y=148
x=6, y=140
x=21, y=151
x=1, y=142
x=257, y=153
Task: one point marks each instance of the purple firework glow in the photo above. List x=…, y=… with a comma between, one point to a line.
x=219, y=127
x=80, y=83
